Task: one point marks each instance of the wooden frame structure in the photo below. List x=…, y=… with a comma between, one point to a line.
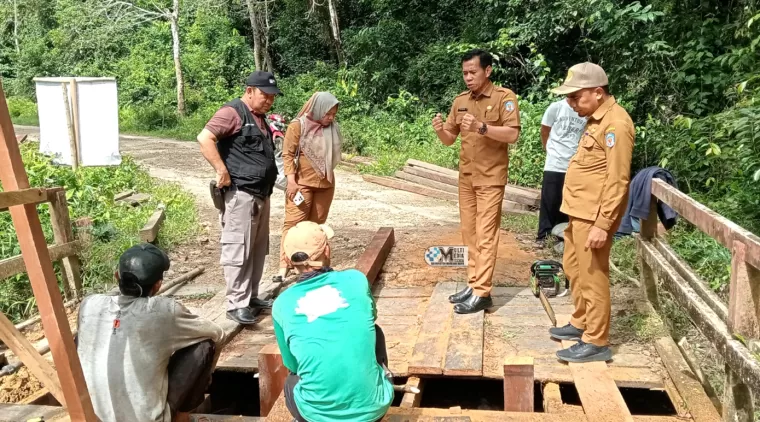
x=728, y=329
x=67, y=377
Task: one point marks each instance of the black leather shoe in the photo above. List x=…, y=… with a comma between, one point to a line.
x=260, y=304
x=585, y=352
x=473, y=304
x=460, y=297
x=568, y=332
x=242, y=316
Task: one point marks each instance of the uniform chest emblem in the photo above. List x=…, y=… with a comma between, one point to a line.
x=509, y=106
x=488, y=108
x=609, y=139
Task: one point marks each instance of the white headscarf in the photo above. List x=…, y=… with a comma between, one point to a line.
x=320, y=144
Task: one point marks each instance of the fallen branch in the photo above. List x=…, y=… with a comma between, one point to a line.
x=620, y=272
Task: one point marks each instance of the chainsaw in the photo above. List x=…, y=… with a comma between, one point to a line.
x=546, y=278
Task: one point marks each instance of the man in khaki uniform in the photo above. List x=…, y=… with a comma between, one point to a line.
x=488, y=119
x=594, y=197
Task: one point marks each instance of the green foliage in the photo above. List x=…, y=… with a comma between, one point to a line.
x=90, y=192
x=23, y=111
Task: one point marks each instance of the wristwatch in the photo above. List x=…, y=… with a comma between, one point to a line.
x=483, y=129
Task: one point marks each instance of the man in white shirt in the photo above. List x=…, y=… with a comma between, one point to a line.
x=144, y=357
x=561, y=129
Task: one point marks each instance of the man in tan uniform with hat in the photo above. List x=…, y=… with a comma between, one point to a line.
x=594, y=197
x=488, y=118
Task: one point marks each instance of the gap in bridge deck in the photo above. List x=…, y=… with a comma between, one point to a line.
x=470, y=394
x=640, y=401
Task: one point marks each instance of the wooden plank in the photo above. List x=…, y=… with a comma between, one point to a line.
x=75, y=115
x=699, y=405
x=35, y=254
x=691, y=360
x=62, y=234
x=22, y=197
x=735, y=354
x=696, y=283
x=405, y=292
x=394, y=183
x=438, y=169
x=29, y=412
x=413, y=399
x=372, y=260
x=598, y=392
x=435, y=176
x=718, y=227
x=411, y=177
x=272, y=375
x=149, y=232
x=28, y=354
x=552, y=398
x=432, y=341
x=518, y=384
x=397, y=414
x=121, y=195
x=675, y=397
x=16, y=265
x=73, y=145
x=224, y=418
x=464, y=354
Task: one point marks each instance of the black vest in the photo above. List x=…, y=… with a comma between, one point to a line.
x=249, y=154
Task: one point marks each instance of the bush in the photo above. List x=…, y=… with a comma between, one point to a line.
x=90, y=192
x=23, y=111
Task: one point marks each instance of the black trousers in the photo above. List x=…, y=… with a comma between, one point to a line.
x=551, y=201
x=381, y=354
x=189, y=375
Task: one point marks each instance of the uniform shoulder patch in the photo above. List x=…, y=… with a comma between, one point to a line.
x=509, y=105
x=609, y=139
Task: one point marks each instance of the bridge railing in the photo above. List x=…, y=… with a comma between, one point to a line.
x=730, y=328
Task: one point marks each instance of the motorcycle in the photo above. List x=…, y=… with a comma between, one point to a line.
x=277, y=126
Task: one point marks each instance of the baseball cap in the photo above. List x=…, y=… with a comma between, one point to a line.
x=145, y=262
x=580, y=76
x=264, y=81
x=310, y=238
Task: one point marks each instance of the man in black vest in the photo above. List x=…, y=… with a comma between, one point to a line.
x=237, y=142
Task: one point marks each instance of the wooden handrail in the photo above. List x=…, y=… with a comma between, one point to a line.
x=15, y=265
x=27, y=196
x=715, y=225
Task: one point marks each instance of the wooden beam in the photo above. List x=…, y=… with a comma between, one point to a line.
x=432, y=340
x=700, y=286
x=22, y=197
x=410, y=399
x=553, y=398
x=149, y=232
x=451, y=180
x=648, y=280
x=464, y=354
x=699, y=405
x=599, y=395
x=735, y=354
x=272, y=375
x=424, y=181
x=75, y=115
x=518, y=384
x=28, y=354
x=718, y=227
x=63, y=234
x=36, y=258
x=16, y=265
x=688, y=354
x=70, y=125
x=372, y=260
x=394, y=183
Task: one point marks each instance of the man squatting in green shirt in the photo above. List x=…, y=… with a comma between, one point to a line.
x=325, y=328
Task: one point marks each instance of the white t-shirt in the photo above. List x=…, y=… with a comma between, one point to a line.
x=567, y=128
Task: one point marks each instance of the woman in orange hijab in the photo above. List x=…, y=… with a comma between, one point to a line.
x=311, y=151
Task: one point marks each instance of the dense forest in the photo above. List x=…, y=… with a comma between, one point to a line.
x=686, y=70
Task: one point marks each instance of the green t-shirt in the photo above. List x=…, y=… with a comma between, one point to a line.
x=325, y=327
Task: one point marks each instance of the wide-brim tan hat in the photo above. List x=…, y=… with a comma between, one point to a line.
x=581, y=76
x=310, y=238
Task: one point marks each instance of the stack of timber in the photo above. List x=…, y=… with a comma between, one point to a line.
x=438, y=182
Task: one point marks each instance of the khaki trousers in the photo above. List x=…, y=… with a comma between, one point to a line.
x=315, y=207
x=245, y=245
x=589, y=273
x=480, y=215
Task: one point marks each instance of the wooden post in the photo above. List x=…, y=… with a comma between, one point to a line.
x=411, y=400
x=75, y=115
x=743, y=319
x=272, y=375
x=647, y=233
x=72, y=134
x=34, y=250
x=62, y=233
x=518, y=384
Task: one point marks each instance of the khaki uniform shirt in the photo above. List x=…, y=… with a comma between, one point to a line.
x=305, y=175
x=482, y=158
x=596, y=184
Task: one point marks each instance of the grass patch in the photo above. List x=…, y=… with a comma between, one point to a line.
x=115, y=227
x=637, y=327
x=520, y=223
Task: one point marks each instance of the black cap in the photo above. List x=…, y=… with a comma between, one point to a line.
x=264, y=81
x=145, y=262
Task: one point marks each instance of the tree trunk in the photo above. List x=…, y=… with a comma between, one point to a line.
x=15, y=25
x=265, y=34
x=174, y=20
x=335, y=30
x=253, y=16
